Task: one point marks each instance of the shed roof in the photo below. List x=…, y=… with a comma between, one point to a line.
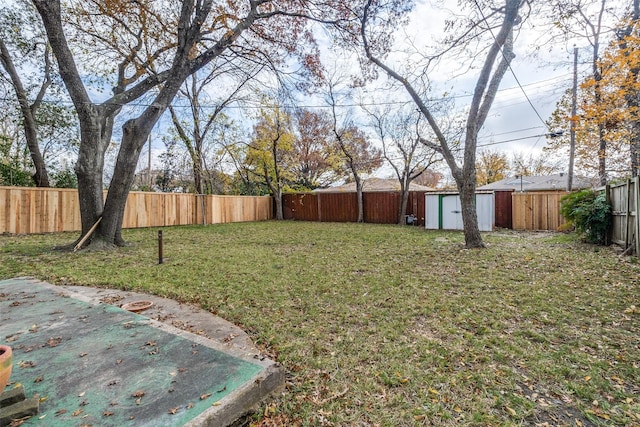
x=373, y=185
x=538, y=183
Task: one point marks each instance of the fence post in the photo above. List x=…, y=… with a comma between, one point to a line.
x=636, y=187
x=627, y=215
x=609, y=234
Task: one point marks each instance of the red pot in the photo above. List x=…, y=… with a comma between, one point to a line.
x=6, y=362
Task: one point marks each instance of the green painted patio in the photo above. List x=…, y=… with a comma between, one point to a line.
x=97, y=364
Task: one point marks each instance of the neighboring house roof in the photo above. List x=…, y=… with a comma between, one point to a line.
x=537, y=183
x=372, y=185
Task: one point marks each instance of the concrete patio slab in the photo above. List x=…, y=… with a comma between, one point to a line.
x=94, y=363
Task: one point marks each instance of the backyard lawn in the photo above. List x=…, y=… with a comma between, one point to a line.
x=395, y=326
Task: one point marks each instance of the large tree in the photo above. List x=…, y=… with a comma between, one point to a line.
x=359, y=155
x=491, y=166
x=585, y=20
x=27, y=64
x=200, y=127
x=270, y=152
x=401, y=134
x=620, y=80
x=315, y=158
x=492, y=25
x=594, y=122
x=156, y=46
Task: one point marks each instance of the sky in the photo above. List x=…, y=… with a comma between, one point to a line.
x=528, y=93
x=526, y=98
x=540, y=74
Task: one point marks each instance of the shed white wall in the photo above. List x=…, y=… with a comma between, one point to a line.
x=451, y=215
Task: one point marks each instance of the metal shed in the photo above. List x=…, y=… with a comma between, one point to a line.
x=443, y=211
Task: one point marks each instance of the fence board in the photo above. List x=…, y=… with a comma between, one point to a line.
x=379, y=207
x=45, y=210
x=624, y=198
x=338, y=207
x=537, y=211
x=382, y=208
x=503, y=209
x=301, y=207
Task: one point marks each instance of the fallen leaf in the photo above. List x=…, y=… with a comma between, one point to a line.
x=190, y=405
x=77, y=412
x=205, y=396
x=511, y=412
x=617, y=379
x=107, y=413
x=587, y=378
x=61, y=411
x=174, y=411
x=27, y=364
x=83, y=354
x=138, y=393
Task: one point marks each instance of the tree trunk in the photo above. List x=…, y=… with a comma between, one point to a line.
x=277, y=196
x=472, y=236
x=197, y=174
x=95, y=136
x=404, y=198
x=602, y=156
x=133, y=140
x=635, y=149
x=40, y=177
x=359, y=196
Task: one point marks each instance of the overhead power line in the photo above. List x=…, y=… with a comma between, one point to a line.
x=510, y=68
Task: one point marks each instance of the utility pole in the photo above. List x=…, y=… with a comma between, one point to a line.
x=149, y=164
x=574, y=101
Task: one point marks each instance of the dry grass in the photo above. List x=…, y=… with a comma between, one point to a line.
x=396, y=326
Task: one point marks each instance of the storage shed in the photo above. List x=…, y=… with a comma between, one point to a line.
x=444, y=212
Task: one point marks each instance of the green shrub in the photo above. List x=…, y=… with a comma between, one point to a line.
x=589, y=213
x=14, y=176
x=64, y=178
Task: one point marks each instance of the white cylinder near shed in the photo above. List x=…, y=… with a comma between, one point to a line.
x=443, y=211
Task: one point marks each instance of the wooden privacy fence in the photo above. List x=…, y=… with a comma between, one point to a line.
x=379, y=207
x=537, y=211
x=520, y=211
x=26, y=210
x=625, y=200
